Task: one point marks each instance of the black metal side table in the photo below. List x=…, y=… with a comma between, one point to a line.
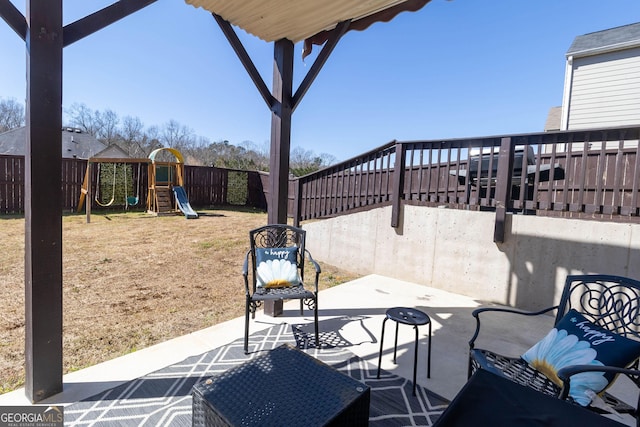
x=412, y=317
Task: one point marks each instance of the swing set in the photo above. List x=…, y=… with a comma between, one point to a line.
x=129, y=200
x=165, y=187
x=119, y=188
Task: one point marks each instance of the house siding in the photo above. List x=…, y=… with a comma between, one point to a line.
x=605, y=90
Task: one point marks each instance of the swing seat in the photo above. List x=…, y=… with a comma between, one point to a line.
x=132, y=201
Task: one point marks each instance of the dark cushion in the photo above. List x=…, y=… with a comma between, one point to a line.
x=277, y=267
x=577, y=341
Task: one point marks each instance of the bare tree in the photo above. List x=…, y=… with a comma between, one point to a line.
x=109, y=131
x=257, y=154
x=327, y=159
x=151, y=139
x=132, y=136
x=11, y=114
x=175, y=135
x=304, y=162
x=85, y=119
x=132, y=129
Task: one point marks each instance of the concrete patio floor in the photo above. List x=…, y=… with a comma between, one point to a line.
x=354, y=312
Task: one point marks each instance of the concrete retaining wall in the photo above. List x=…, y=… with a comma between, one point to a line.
x=454, y=250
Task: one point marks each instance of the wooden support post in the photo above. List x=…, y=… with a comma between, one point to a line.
x=398, y=184
x=503, y=187
x=43, y=201
x=280, y=143
x=273, y=308
x=89, y=191
x=280, y=132
x=83, y=189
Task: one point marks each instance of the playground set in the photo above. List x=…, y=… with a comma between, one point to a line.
x=166, y=178
x=165, y=188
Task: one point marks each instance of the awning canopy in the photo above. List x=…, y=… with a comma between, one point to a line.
x=298, y=20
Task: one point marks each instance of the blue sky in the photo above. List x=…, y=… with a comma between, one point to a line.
x=453, y=69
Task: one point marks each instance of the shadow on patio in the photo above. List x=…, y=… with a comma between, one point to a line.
x=350, y=324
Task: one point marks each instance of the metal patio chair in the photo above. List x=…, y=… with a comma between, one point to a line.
x=274, y=270
x=609, y=302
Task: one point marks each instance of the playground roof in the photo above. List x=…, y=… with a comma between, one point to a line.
x=110, y=152
x=173, y=151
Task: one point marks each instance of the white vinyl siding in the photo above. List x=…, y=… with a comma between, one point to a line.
x=605, y=90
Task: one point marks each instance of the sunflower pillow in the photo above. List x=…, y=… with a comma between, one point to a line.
x=277, y=267
x=577, y=341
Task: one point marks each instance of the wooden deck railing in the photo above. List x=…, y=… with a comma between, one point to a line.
x=360, y=182
x=591, y=174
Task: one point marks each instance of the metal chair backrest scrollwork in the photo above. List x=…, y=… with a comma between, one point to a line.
x=612, y=302
x=277, y=236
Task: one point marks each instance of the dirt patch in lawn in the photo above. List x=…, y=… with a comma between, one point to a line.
x=132, y=280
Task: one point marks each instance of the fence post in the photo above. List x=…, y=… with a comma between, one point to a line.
x=503, y=187
x=398, y=184
x=297, y=201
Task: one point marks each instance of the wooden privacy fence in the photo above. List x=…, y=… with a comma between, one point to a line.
x=205, y=186
x=591, y=174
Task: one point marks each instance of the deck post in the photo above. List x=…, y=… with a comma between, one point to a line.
x=503, y=187
x=43, y=201
x=398, y=184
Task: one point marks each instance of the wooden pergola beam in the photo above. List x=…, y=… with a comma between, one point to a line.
x=245, y=59
x=103, y=18
x=322, y=57
x=13, y=18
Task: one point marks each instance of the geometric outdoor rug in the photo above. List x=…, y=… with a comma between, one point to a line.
x=163, y=398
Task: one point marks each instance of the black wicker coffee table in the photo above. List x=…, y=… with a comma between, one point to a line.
x=284, y=387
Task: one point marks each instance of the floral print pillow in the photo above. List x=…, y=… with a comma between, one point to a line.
x=277, y=267
x=577, y=341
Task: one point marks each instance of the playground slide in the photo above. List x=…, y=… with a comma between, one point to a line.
x=183, y=203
